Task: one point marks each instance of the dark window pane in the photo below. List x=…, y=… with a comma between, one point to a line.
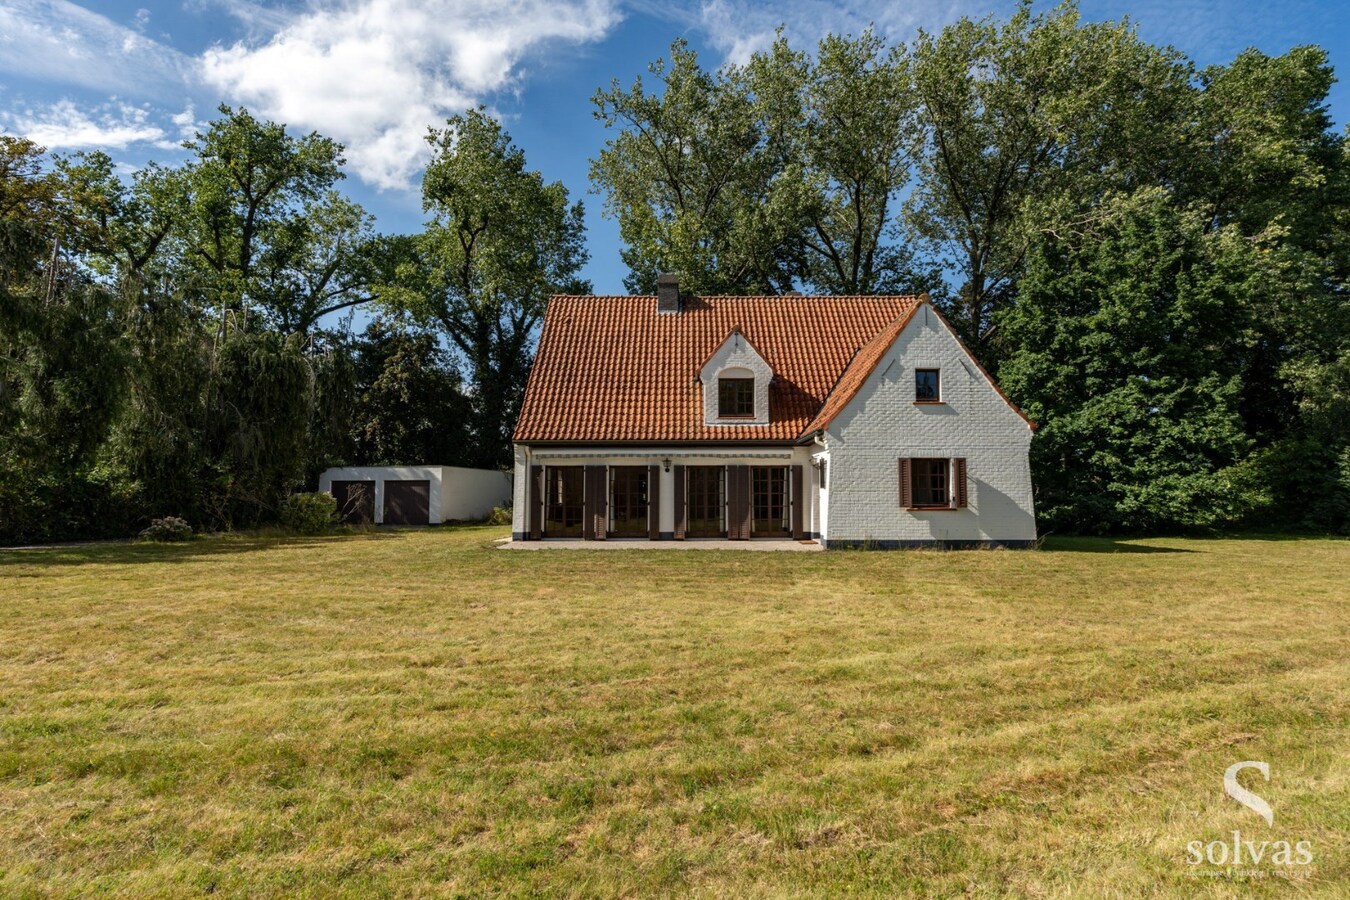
x=705, y=499
x=769, y=501
x=735, y=397
x=926, y=384
x=563, y=515
x=929, y=487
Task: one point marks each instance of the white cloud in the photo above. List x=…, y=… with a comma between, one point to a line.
x=261, y=19
x=739, y=28
x=62, y=43
x=63, y=126
x=375, y=74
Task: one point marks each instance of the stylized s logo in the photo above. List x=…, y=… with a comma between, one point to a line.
x=1244, y=796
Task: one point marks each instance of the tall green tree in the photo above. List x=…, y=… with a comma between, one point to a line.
x=1130, y=338
x=693, y=183
x=844, y=124
x=1244, y=153
x=410, y=403
x=60, y=364
x=62, y=367
x=500, y=240
x=1040, y=105
x=263, y=230
x=781, y=173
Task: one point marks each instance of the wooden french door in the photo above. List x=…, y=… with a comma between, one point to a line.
x=564, y=498
x=706, y=500
x=769, y=500
x=628, y=501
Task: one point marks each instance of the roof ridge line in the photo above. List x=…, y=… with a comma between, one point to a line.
x=921, y=298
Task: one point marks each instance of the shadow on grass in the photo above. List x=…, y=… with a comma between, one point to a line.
x=1196, y=543
x=124, y=552
x=1107, y=545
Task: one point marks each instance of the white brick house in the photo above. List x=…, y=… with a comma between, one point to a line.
x=857, y=421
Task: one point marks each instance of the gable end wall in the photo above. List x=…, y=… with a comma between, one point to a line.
x=882, y=423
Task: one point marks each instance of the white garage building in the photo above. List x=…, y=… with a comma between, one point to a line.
x=415, y=495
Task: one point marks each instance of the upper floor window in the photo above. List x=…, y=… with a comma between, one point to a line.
x=927, y=388
x=736, y=398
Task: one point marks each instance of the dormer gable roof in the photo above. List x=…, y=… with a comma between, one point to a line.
x=738, y=345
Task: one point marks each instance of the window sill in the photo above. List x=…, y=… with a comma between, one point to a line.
x=930, y=402
x=932, y=508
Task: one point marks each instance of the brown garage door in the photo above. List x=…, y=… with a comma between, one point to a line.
x=355, y=501
x=407, y=502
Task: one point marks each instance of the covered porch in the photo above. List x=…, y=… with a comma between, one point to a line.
x=683, y=496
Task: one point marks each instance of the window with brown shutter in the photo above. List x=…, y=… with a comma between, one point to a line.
x=932, y=483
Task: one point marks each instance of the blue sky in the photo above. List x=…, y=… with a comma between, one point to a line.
x=134, y=77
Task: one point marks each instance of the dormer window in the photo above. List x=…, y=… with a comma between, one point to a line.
x=735, y=398
x=735, y=383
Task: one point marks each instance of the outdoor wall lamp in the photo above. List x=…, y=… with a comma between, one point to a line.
x=665, y=464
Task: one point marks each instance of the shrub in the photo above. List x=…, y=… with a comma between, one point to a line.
x=167, y=530
x=45, y=507
x=500, y=515
x=309, y=513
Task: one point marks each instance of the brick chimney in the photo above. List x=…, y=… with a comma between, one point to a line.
x=668, y=294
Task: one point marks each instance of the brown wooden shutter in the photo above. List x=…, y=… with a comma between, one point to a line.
x=653, y=503
x=905, y=482
x=588, y=504
x=596, y=516
x=748, y=502
x=959, y=483
x=738, y=503
x=601, y=502
x=681, y=509
x=732, y=504
x=798, y=502
x=534, y=502
x=735, y=516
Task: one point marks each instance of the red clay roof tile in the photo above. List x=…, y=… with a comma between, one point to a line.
x=863, y=364
x=611, y=369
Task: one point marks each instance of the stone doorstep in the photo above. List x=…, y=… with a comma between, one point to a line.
x=766, y=545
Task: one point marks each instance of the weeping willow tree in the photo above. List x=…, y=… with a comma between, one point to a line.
x=139, y=379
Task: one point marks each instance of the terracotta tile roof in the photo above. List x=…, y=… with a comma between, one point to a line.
x=613, y=369
x=863, y=364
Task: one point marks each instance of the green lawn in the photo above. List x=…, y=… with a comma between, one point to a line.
x=415, y=713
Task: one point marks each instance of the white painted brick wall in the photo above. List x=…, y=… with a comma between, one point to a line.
x=520, y=514
x=882, y=424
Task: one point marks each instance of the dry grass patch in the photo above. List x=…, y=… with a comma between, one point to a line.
x=415, y=713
